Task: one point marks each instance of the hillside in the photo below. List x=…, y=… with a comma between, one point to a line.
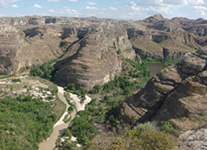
x=107, y=60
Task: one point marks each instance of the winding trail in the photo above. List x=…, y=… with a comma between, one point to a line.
x=59, y=126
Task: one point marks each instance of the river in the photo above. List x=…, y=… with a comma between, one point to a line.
x=59, y=127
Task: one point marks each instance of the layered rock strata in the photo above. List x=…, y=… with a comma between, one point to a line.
x=177, y=94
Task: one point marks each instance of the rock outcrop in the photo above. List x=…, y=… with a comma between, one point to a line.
x=193, y=139
x=158, y=38
x=177, y=94
x=92, y=44
x=95, y=59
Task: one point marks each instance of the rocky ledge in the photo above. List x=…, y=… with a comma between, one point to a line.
x=177, y=94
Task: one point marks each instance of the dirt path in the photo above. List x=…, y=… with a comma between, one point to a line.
x=59, y=126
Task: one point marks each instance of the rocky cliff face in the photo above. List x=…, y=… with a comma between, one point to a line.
x=28, y=41
x=177, y=94
x=94, y=59
x=159, y=38
x=92, y=44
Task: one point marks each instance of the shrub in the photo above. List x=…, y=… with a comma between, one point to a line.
x=119, y=52
x=70, y=109
x=145, y=137
x=96, y=89
x=71, y=86
x=167, y=127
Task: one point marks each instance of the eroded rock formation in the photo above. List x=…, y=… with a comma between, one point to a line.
x=95, y=59
x=92, y=44
x=177, y=94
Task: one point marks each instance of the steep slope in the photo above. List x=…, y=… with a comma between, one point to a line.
x=23, y=46
x=95, y=46
x=95, y=58
x=158, y=38
x=176, y=94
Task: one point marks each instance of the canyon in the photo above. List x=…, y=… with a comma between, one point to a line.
x=92, y=54
x=92, y=49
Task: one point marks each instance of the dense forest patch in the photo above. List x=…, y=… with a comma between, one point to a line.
x=24, y=122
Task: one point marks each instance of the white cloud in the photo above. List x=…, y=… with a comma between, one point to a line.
x=148, y=2
x=14, y=6
x=113, y=8
x=168, y=8
x=4, y=3
x=64, y=11
x=72, y=0
x=37, y=6
x=196, y=2
x=134, y=6
x=91, y=3
x=53, y=0
x=202, y=10
x=200, y=7
x=184, y=2
x=91, y=8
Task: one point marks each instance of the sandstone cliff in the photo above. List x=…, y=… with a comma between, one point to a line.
x=94, y=59
x=158, y=38
x=177, y=94
x=92, y=44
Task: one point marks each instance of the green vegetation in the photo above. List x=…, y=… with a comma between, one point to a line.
x=142, y=137
x=96, y=89
x=44, y=71
x=167, y=127
x=119, y=52
x=70, y=109
x=72, y=88
x=82, y=128
x=105, y=110
x=6, y=76
x=140, y=71
x=24, y=122
x=15, y=80
x=119, y=82
x=67, y=118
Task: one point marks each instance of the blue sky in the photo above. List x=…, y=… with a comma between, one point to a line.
x=117, y=9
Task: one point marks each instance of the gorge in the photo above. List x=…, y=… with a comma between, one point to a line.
x=149, y=74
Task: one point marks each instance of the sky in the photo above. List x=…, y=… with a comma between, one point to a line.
x=116, y=9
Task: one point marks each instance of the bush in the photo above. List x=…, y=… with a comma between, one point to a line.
x=71, y=86
x=167, y=127
x=119, y=52
x=145, y=137
x=70, y=109
x=92, y=102
x=96, y=89
x=142, y=137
